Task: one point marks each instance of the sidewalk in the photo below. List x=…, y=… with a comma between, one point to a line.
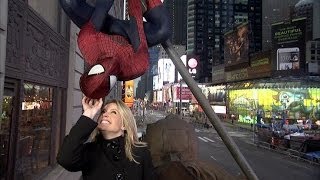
x=59, y=173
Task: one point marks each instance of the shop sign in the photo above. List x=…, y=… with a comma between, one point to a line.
x=186, y=94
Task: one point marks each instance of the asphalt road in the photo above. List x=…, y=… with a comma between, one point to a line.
x=267, y=164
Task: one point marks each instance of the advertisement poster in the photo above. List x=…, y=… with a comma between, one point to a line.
x=166, y=72
x=288, y=58
x=215, y=94
x=288, y=40
x=236, y=46
x=297, y=102
x=128, y=98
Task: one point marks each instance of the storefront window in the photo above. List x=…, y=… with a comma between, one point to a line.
x=34, y=130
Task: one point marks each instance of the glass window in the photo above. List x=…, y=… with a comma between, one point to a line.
x=34, y=131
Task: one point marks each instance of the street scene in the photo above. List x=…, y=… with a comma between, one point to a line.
x=159, y=89
x=265, y=161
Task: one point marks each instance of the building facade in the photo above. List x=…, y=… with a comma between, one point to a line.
x=40, y=68
x=35, y=91
x=309, y=9
x=178, y=12
x=274, y=11
x=209, y=20
x=284, y=79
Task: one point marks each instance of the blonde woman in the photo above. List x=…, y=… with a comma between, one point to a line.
x=114, y=153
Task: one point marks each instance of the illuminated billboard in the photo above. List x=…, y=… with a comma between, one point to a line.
x=166, y=72
x=128, y=98
x=288, y=58
x=193, y=65
x=288, y=40
x=155, y=83
x=236, y=46
x=184, y=61
x=297, y=102
x=215, y=94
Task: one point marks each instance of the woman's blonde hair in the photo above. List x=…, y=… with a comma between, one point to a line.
x=129, y=122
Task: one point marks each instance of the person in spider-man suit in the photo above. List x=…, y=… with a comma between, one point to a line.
x=119, y=47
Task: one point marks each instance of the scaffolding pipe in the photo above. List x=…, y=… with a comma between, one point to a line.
x=214, y=119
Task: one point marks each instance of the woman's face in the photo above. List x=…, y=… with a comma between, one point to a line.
x=110, y=121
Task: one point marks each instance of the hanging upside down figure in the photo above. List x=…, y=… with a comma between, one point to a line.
x=115, y=49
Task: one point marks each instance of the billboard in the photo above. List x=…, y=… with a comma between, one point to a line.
x=288, y=39
x=288, y=58
x=166, y=72
x=298, y=102
x=184, y=61
x=236, y=45
x=128, y=96
x=155, y=83
x=215, y=94
x=193, y=65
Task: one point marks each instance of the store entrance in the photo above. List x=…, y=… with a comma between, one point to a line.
x=6, y=122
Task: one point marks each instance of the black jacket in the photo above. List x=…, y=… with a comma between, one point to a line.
x=102, y=159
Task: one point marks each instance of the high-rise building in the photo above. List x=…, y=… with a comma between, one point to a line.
x=310, y=10
x=178, y=15
x=200, y=36
x=274, y=11
x=209, y=20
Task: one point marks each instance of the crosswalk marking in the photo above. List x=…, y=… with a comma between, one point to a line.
x=209, y=139
x=202, y=139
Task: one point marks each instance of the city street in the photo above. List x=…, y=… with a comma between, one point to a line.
x=267, y=164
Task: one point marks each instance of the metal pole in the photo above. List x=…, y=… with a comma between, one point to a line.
x=180, y=102
x=214, y=119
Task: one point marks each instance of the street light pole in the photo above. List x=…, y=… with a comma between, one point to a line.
x=214, y=119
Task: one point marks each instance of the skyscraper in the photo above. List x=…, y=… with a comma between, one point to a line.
x=200, y=36
x=178, y=14
x=209, y=20
x=310, y=10
x=274, y=11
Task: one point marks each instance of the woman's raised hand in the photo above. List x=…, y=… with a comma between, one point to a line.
x=91, y=106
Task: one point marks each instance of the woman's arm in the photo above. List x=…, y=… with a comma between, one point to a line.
x=72, y=153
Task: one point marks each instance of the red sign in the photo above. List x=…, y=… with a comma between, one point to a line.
x=186, y=94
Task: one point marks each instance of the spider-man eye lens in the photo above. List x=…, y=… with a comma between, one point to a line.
x=97, y=69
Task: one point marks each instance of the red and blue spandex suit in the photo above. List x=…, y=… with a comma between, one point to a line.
x=119, y=46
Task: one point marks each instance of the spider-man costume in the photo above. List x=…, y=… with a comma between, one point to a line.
x=124, y=56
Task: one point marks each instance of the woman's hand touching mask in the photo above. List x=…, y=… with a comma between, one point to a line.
x=91, y=106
